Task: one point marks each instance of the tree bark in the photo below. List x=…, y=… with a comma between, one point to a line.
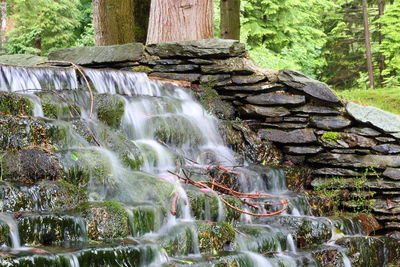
x=368, y=50
x=230, y=19
x=3, y=27
x=141, y=13
x=381, y=8
x=113, y=22
x=179, y=20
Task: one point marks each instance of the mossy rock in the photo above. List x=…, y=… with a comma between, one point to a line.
x=145, y=219
x=55, y=107
x=30, y=165
x=142, y=68
x=4, y=234
x=44, y=196
x=262, y=239
x=14, y=104
x=176, y=130
x=212, y=102
x=211, y=238
x=19, y=132
x=109, y=109
x=105, y=220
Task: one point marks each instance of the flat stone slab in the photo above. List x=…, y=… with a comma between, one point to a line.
x=188, y=77
x=206, y=48
x=276, y=98
x=386, y=121
x=330, y=122
x=252, y=110
x=100, y=54
x=387, y=148
x=357, y=161
x=336, y=172
x=307, y=85
x=365, y=131
x=312, y=109
x=303, y=150
x=21, y=60
x=255, y=87
x=236, y=65
x=176, y=68
x=348, y=140
x=248, y=79
x=302, y=136
x=392, y=173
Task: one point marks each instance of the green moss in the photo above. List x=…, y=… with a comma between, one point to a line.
x=109, y=109
x=330, y=136
x=145, y=219
x=105, y=220
x=55, y=108
x=14, y=104
x=142, y=68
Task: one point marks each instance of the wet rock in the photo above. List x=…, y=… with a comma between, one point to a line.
x=206, y=48
x=295, y=119
x=295, y=136
x=321, y=205
x=368, y=223
x=109, y=109
x=298, y=178
x=385, y=139
x=356, y=161
x=387, y=206
x=330, y=123
x=283, y=125
x=145, y=219
x=386, y=121
x=253, y=110
x=336, y=172
x=312, y=109
x=176, y=68
x=302, y=150
x=167, y=62
x=22, y=60
x=387, y=148
x=100, y=54
x=200, y=61
x=14, y=104
x=365, y=131
x=56, y=108
x=255, y=88
x=105, y=220
x=212, y=102
x=248, y=79
x=188, y=77
x=233, y=65
x=277, y=98
x=29, y=166
x=345, y=140
x=392, y=173
x=296, y=160
x=307, y=85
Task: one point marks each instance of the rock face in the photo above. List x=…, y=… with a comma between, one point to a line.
x=209, y=48
x=309, y=86
x=387, y=122
x=100, y=54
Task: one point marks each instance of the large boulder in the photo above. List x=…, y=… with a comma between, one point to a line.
x=215, y=48
x=100, y=54
x=307, y=85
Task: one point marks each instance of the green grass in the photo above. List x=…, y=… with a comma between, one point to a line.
x=387, y=98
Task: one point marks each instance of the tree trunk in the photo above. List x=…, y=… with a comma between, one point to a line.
x=141, y=13
x=230, y=19
x=113, y=22
x=368, y=50
x=3, y=27
x=381, y=8
x=179, y=20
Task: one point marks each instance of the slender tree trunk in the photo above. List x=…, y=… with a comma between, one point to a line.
x=230, y=19
x=178, y=20
x=113, y=22
x=3, y=27
x=381, y=8
x=141, y=13
x=368, y=49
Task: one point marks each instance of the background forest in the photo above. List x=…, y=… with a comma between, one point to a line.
x=321, y=38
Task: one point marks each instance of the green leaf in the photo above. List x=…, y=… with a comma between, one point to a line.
x=74, y=156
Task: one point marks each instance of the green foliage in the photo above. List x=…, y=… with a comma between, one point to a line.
x=42, y=25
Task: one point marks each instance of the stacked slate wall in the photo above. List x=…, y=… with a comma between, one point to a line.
x=339, y=141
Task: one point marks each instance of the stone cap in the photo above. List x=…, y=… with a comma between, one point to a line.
x=21, y=60
x=100, y=54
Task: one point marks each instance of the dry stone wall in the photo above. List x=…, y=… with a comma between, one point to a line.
x=349, y=146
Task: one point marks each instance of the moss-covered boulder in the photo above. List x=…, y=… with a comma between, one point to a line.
x=105, y=220
x=204, y=237
x=14, y=104
x=145, y=219
x=58, y=107
x=30, y=165
x=44, y=196
x=213, y=103
x=109, y=109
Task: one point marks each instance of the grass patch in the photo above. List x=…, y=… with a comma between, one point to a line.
x=385, y=98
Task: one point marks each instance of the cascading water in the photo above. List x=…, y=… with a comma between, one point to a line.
x=163, y=129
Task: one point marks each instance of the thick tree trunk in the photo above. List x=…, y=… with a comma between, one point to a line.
x=3, y=27
x=368, y=50
x=113, y=22
x=178, y=20
x=230, y=19
x=381, y=8
x=141, y=13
